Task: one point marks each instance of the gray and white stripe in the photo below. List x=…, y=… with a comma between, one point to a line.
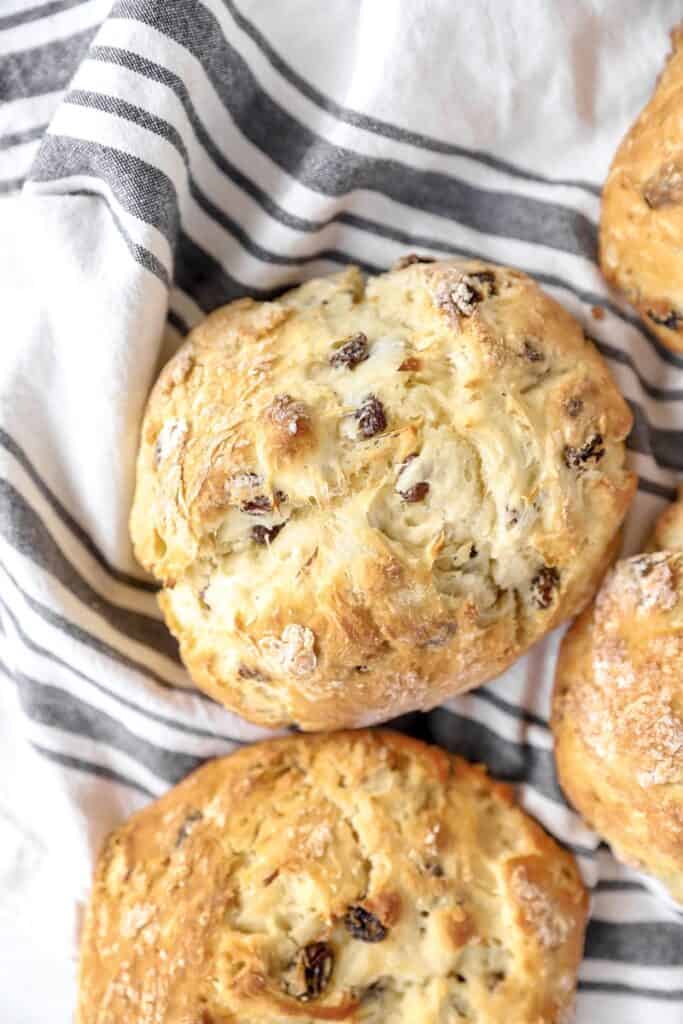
x=225, y=172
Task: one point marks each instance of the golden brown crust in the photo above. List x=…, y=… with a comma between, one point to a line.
x=363, y=499
x=363, y=877
x=668, y=531
x=641, y=229
x=618, y=709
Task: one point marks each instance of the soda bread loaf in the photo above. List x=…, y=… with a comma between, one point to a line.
x=641, y=229
x=362, y=877
x=366, y=497
x=618, y=708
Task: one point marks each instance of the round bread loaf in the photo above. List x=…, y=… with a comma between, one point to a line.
x=618, y=709
x=362, y=877
x=364, y=498
x=641, y=230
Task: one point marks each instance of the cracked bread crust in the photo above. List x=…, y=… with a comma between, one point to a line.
x=366, y=497
x=618, y=708
x=641, y=228
x=362, y=877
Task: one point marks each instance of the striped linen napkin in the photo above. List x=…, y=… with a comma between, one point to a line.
x=160, y=157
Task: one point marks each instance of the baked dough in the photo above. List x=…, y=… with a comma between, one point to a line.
x=668, y=531
x=618, y=708
x=362, y=877
x=641, y=230
x=366, y=497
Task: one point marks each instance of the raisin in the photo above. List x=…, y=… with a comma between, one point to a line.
x=670, y=319
x=573, y=407
x=411, y=363
x=576, y=458
x=543, y=585
x=186, y=826
x=261, y=503
x=371, y=417
x=363, y=925
x=531, y=353
x=664, y=187
x=473, y=551
x=494, y=979
x=257, y=506
x=418, y=492
x=435, y=870
x=318, y=960
x=265, y=534
x=512, y=517
x=486, y=280
x=352, y=352
x=409, y=259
